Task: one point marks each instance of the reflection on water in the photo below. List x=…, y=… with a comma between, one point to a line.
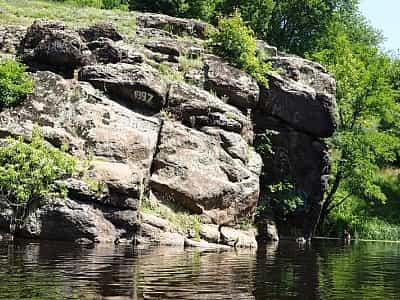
x=325, y=270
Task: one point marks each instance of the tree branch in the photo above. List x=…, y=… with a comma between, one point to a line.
x=329, y=209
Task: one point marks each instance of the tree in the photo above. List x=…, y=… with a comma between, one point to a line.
x=366, y=100
x=256, y=14
x=198, y=9
x=296, y=26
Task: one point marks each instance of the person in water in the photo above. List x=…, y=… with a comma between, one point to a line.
x=346, y=235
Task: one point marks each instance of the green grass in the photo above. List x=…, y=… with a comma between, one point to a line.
x=179, y=217
x=23, y=12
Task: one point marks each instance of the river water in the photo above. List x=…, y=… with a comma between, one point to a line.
x=324, y=270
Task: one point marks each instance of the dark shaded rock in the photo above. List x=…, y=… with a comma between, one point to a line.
x=173, y=48
x=66, y=220
x=105, y=51
x=303, y=158
x=52, y=46
x=6, y=214
x=193, y=170
x=127, y=219
x=197, y=108
x=174, y=25
x=100, y=30
x=134, y=84
x=164, y=46
x=303, y=97
x=240, y=89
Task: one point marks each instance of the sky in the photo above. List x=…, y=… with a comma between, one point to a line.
x=384, y=15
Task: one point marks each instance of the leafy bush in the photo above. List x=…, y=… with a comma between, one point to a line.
x=284, y=199
x=15, y=84
x=29, y=171
x=236, y=42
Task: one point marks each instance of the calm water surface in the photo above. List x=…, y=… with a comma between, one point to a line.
x=325, y=270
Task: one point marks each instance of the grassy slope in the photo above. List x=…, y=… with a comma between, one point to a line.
x=23, y=12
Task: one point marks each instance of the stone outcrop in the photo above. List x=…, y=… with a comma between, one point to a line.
x=240, y=89
x=136, y=85
x=302, y=96
x=175, y=25
x=197, y=108
x=143, y=134
x=100, y=30
x=52, y=46
x=192, y=168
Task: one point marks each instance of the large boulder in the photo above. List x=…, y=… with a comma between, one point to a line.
x=105, y=51
x=197, y=108
x=175, y=25
x=67, y=220
x=52, y=46
x=303, y=95
x=117, y=143
x=135, y=85
x=191, y=169
x=240, y=89
x=100, y=30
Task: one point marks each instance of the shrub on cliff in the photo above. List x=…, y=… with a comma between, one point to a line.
x=236, y=42
x=15, y=84
x=29, y=171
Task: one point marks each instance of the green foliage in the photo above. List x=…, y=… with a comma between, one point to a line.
x=29, y=171
x=255, y=13
x=175, y=214
x=15, y=84
x=236, y=42
x=284, y=199
x=370, y=218
x=169, y=73
x=366, y=103
x=264, y=146
x=361, y=224
x=199, y=9
x=297, y=25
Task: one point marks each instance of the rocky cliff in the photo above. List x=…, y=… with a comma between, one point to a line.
x=167, y=130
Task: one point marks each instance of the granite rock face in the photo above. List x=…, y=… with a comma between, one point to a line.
x=52, y=46
x=302, y=96
x=155, y=118
x=134, y=84
x=240, y=89
x=192, y=168
x=176, y=25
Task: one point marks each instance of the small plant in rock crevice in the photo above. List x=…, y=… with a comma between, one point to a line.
x=176, y=215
